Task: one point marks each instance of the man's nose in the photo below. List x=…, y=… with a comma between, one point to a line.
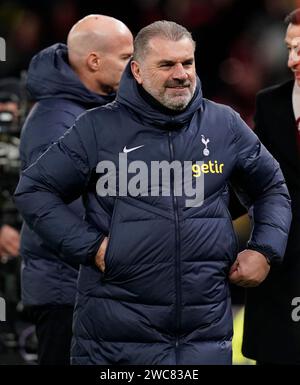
x=179, y=72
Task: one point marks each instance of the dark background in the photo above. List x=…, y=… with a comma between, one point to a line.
x=240, y=46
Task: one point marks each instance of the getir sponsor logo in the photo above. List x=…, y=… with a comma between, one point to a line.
x=211, y=167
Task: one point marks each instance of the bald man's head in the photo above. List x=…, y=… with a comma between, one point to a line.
x=99, y=48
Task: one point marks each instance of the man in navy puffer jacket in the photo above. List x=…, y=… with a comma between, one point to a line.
x=155, y=264
x=65, y=81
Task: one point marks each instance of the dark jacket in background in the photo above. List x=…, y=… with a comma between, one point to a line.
x=164, y=296
x=270, y=334
x=61, y=97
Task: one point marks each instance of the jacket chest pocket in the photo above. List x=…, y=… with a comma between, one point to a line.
x=139, y=239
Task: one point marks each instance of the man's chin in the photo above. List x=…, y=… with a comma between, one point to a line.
x=177, y=103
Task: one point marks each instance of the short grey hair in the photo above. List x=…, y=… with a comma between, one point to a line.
x=168, y=30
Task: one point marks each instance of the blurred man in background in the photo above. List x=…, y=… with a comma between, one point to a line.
x=11, y=116
x=65, y=80
x=10, y=97
x=271, y=326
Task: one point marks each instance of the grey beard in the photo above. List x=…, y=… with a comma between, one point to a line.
x=170, y=103
x=176, y=106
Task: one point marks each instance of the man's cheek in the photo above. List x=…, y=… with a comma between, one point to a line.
x=295, y=50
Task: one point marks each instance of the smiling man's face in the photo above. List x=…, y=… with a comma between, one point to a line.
x=292, y=40
x=167, y=71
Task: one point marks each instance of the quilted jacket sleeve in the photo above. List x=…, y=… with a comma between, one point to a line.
x=47, y=122
x=259, y=183
x=58, y=177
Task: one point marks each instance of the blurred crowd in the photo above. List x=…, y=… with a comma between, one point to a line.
x=239, y=43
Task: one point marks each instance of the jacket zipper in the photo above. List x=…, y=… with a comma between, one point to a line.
x=177, y=255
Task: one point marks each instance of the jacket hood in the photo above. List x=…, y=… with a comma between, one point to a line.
x=50, y=76
x=130, y=95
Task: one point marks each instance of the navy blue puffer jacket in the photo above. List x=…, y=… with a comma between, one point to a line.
x=61, y=98
x=164, y=296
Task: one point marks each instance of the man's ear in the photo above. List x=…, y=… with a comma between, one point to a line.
x=93, y=61
x=136, y=71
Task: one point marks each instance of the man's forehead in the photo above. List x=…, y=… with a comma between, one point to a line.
x=165, y=49
x=293, y=34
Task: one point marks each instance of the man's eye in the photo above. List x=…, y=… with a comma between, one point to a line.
x=127, y=57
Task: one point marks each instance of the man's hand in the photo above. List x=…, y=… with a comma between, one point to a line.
x=249, y=269
x=9, y=241
x=99, y=259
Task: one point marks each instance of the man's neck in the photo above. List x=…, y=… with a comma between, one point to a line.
x=91, y=84
x=296, y=100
